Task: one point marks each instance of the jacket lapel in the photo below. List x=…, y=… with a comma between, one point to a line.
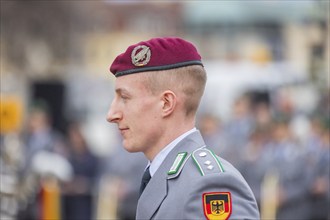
x=156, y=191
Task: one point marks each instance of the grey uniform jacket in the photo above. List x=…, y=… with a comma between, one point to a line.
x=193, y=183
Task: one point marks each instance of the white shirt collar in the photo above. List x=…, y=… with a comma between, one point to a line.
x=160, y=157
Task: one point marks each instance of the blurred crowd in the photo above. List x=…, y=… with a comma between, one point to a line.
x=51, y=157
x=282, y=153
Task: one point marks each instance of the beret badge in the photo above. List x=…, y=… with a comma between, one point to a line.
x=141, y=55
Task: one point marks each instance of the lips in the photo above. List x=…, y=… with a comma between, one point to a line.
x=123, y=130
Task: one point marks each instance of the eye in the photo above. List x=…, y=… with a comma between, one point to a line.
x=124, y=97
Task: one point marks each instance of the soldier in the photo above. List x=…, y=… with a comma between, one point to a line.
x=287, y=158
x=159, y=85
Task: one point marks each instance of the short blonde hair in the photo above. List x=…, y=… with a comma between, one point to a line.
x=187, y=81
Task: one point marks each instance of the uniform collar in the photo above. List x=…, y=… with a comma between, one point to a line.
x=160, y=157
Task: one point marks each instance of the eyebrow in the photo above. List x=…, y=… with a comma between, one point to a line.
x=122, y=91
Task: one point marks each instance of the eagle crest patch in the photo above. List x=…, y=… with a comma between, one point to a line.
x=217, y=205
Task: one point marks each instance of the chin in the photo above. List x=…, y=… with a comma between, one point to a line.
x=130, y=148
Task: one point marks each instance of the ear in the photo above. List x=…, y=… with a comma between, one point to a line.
x=169, y=102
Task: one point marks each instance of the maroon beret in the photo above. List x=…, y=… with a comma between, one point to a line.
x=156, y=54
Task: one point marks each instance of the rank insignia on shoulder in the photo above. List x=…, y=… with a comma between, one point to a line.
x=178, y=162
x=217, y=205
x=206, y=161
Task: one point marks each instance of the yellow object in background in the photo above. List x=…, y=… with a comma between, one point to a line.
x=11, y=109
x=107, y=204
x=269, y=195
x=50, y=202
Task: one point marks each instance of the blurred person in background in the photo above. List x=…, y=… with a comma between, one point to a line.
x=289, y=160
x=78, y=194
x=241, y=122
x=40, y=134
x=262, y=115
x=318, y=146
x=43, y=145
x=238, y=129
x=283, y=103
x=253, y=166
x=211, y=129
x=159, y=84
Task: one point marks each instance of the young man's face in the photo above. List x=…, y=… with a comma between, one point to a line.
x=137, y=113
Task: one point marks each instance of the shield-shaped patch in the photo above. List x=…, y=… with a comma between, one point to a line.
x=217, y=205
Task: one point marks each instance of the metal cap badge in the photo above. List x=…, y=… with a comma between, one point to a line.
x=141, y=55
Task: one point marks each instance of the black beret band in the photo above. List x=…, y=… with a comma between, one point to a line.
x=159, y=68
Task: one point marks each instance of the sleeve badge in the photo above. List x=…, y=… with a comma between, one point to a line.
x=217, y=205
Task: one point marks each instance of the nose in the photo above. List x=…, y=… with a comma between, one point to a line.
x=114, y=115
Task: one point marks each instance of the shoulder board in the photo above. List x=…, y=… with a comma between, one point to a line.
x=206, y=161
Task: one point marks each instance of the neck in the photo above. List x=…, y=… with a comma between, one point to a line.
x=169, y=134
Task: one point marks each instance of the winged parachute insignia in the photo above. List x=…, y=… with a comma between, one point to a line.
x=141, y=55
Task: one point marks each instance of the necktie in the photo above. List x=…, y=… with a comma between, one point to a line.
x=145, y=180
